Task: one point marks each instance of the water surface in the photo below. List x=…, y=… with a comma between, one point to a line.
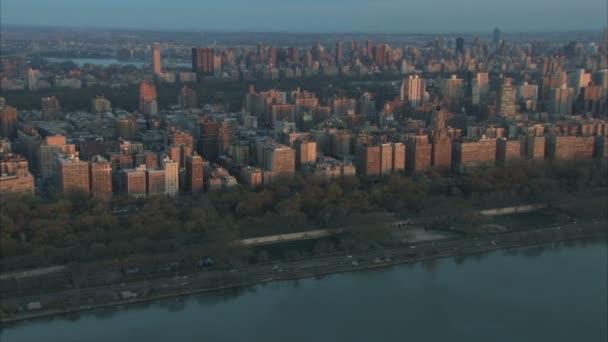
x=532, y=294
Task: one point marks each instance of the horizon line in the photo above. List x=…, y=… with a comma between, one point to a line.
x=193, y=30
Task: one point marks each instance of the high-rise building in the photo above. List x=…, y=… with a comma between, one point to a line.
x=527, y=92
x=459, y=45
x=171, y=169
x=203, y=61
x=386, y=159
x=508, y=151
x=100, y=177
x=279, y=159
x=496, y=36
x=412, y=90
x=506, y=99
x=252, y=176
x=187, y=98
x=419, y=152
x=156, y=59
x=125, y=129
x=208, y=141
x=134, y=181
x=194, y=174
x=293, y=54
x=306, y=152
x=50, y=108
x=380, y=54
x=72, y=175
x=8, y=122
x=453, y=87
x=147, y=98
x=100, y=105
x=483, y=83
x=442, y=144
x=368, y=160
x=570, y=147
x=399, y=158
x=15, y=177
x=48, y=151
x=561, y=101
x=474, y=153
x=339, y=51
x=369, y=48
x=155, y=182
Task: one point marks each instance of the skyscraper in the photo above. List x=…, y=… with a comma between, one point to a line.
x=412, y=90
x=156, y=59
x=194, y=174
x=459, y=45
x=147, y=98
x=561, y=100
x=380, y=55
x=442, y=145
x=496, y=36
x=506, y=99
x=339, y=51
x=368, y=48
x=8, y=122
x=203, y=61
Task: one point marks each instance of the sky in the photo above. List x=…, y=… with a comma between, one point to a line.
x=390, y=16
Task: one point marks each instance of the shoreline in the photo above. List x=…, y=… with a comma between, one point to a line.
x=402, y=256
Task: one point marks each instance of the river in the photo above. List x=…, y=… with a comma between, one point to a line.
x=106, y=62
x=546, y=293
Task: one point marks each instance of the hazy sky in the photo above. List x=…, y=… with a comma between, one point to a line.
x=313, y=15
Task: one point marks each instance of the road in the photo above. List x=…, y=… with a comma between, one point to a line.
x=84, y=298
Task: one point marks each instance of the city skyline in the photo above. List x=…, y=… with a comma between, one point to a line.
x=386, y=16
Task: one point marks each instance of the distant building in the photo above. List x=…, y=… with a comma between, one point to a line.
x=506, y=99
x=72, y=175
x=100, y=177
x=147, y=98
x=570, y=147
x=252, y=176
x=419, y=153
x=156, y=59
x=187, y=98
x=194, y=174
x=155, y=182
x=412, y=90
x=171, y=169
x=279, y=159
x=15, y=177
x=100, y=105
x=306, y=152
x=203, y=61
x=134, y=181
x=474, y=153
x=48, y=151
x=561, y=101
x=369, y=160
x=508, y=151
x=8, y=122
x=442, y=144
x=50, y=108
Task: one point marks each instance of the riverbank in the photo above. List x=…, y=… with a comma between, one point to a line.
x=152, y=290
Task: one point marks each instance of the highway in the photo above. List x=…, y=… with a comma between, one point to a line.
x=202, y=281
